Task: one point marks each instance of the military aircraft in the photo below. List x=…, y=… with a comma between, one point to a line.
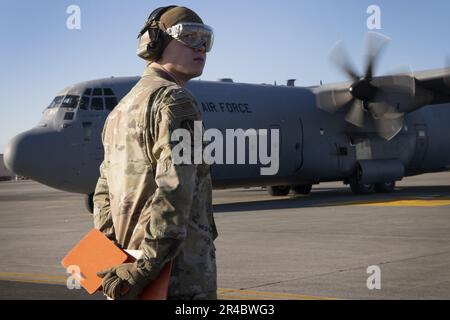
x=368, y=132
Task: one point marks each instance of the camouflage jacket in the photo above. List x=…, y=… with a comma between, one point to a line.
x=144, y=201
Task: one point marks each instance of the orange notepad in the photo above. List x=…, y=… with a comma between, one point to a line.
x=95, y=252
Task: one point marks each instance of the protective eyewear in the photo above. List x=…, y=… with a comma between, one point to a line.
x=193, y=35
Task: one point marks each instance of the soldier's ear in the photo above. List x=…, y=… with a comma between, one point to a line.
x=161, y=56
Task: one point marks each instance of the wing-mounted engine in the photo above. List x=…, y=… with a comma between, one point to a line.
x=386, y=98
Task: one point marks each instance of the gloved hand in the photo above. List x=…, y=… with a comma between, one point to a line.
x=123, y=282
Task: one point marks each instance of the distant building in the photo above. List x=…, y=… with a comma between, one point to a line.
x=5, y=174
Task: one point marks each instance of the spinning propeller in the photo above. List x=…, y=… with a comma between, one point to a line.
x=381, y=97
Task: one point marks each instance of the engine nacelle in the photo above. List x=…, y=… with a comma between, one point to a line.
x=380, y=171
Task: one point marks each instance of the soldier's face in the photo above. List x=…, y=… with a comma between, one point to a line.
x=185, y=62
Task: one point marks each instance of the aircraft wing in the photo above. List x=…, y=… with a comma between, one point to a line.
x=436, y=82
x=387, y=98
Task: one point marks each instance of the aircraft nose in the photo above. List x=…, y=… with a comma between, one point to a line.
x=31, y=153
x=45, y=156
x=17, y=154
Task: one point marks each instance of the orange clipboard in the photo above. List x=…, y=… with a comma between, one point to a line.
x=95, y=252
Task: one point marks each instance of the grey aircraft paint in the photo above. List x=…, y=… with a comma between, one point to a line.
x=64, y=150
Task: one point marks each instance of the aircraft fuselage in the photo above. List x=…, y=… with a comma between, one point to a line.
x=64, y=151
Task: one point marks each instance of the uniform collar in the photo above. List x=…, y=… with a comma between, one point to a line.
x=151, y=71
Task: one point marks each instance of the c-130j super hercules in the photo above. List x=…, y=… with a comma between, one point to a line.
x=369, y=132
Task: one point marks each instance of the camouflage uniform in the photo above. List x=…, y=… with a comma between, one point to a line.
x=143, y=201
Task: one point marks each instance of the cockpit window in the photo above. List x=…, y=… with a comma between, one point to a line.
x=97, y=104
x=108, y=92
x=56, y=102
x=95, y=99
x=84, y=103
x=110, y=102
x=70, y=102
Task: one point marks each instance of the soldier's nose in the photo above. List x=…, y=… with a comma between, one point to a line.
x=202, y=49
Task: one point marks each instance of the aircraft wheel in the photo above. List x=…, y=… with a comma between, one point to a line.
x=302, y=189
x=360, y=188
x=279, y=190
x=386, y=187
x=89, y=202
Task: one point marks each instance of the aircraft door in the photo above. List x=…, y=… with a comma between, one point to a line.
x=421, y=146
x=299, y=145
x=87, y=131
x=290, y=146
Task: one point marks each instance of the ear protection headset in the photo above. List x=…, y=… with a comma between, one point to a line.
x=151, y=37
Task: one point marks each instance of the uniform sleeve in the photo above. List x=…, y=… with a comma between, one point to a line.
x=170, y=207
x=102, y=211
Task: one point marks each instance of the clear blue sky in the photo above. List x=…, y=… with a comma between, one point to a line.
x=255, y=41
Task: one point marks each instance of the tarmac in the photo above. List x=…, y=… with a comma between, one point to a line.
x=321, y=246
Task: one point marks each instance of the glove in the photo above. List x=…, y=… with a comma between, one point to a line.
x=123, y=282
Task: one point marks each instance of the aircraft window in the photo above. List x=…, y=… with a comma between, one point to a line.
x=108, y=92
x=97, y=104
x=97, y=92
x=87, y=92
x=70, y=102
x=56, y=102
x=84, y=103
x=68, y=116
x=110, y=102
x=87, y=128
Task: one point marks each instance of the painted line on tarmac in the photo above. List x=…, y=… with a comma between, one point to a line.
x=268, y=295
x=223, y=293
x=409, y=203
x=32, y=277
x=435, y=201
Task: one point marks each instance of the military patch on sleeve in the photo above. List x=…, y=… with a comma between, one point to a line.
x=179, y=95
x=181, y=105
x=183, y=110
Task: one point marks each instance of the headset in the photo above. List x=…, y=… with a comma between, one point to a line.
x=151, y=37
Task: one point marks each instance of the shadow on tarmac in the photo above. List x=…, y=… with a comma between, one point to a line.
x=334, y=197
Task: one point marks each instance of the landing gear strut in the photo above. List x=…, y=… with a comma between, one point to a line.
x=279, y=190
x=359, y=188
x=386, y=187
x=302, y=189
x=89, y=202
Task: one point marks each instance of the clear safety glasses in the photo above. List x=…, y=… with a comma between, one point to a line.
x=193, y=35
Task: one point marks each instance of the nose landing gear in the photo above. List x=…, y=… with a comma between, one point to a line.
x=89, y=202
x=284, y=190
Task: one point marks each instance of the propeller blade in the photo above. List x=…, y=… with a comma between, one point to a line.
x=378, y=109
x=356, y=114
x=396, y=84
x=340, y=58
x=397, y=91
x=332, y=100
x=375, y=42
x=389, y=125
